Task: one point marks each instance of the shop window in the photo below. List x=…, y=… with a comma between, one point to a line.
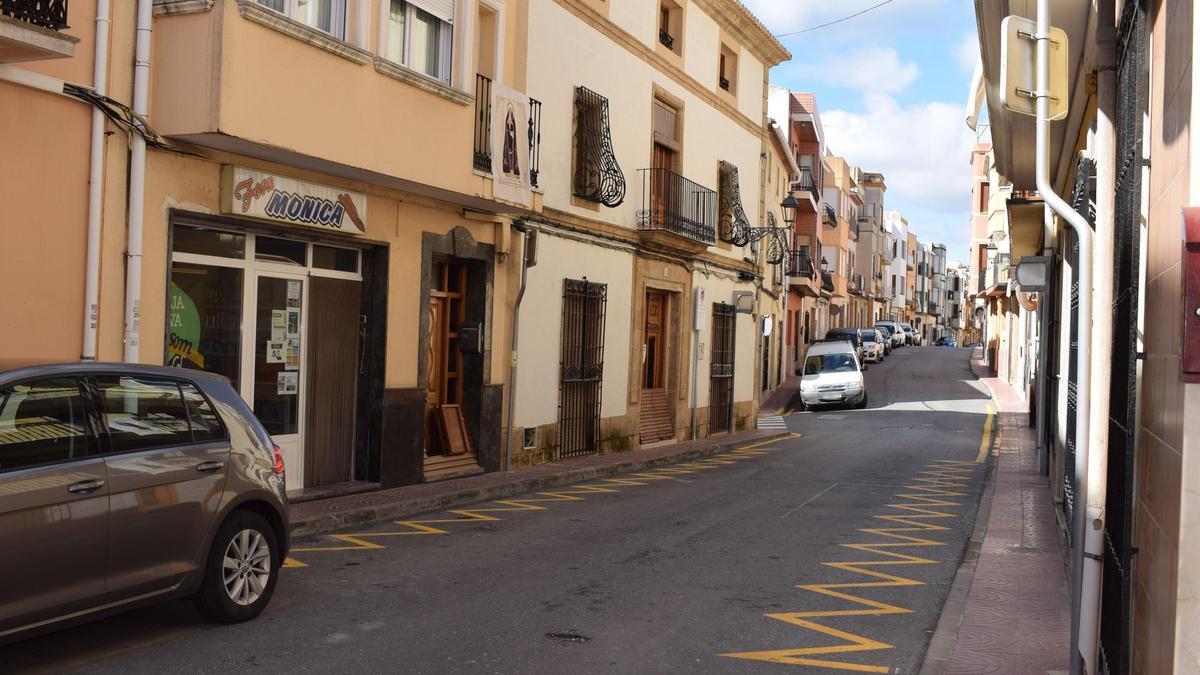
x=327, y=16
x=204, y=319
x=143, y=413
x=42, y=423
x=270, y=249
x=420, y=35
x=727, y=70
x=207, y=241
x=333, y=258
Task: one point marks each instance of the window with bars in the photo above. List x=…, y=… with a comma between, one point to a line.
x=597, y=177
x=720, y=403
x=732, y=224
x=581, y=366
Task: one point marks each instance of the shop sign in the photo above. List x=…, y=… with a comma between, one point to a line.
x=246, y=192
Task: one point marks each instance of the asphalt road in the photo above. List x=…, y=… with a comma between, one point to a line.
x=721, y=566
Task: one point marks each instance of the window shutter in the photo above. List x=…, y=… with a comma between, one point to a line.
x=666, y=125
x=442, y=9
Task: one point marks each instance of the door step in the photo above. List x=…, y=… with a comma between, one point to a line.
x=655, y=423
x=442, y=467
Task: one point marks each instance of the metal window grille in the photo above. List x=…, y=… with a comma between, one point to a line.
x=1115, y=605
x=598, y=178
x=535, y=140
x=720, y=400
x=581, y=367
x=1083, y=202
x=732, y=224
x=483, y=123
x=50, y=14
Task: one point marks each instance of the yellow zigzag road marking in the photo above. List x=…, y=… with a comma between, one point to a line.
x=912, y=517
x=424, y=526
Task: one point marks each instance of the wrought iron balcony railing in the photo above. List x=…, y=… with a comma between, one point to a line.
x=800, y=264
x=673, y=203
x=826, y=281
x=665, y=38
x=50, y=14
x=482, y=155
x=830, y=215
x=806, y=182
x=724, y=82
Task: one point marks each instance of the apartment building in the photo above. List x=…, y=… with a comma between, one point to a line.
x=842, y=206
x=910, y=280
x=1134, y=181
x=650, y=178
x=896, y=274
x=872, y=244
x=809, y=287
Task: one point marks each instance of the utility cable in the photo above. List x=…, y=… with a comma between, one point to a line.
x=844, y=18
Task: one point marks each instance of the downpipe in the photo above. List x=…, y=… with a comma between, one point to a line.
x=1083, y=410
x=1101, y=352
x=521, y=227
x=137, y=185
x=91, y=289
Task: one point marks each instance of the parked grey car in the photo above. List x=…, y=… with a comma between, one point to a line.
x=123, y=485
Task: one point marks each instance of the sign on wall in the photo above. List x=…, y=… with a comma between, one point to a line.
x=247, y=192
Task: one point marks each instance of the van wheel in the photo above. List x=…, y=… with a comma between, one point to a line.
x=241, y=571
x=861, y=404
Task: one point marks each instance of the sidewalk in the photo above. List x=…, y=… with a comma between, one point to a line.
x=316, y=517
x=1010, y=608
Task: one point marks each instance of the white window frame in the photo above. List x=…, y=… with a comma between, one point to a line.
x=292, y=10
x=448, y=54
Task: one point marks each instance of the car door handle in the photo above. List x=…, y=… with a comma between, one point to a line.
x=85, y=487
x=209, y=467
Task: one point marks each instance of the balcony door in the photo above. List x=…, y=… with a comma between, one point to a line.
x=664, y=197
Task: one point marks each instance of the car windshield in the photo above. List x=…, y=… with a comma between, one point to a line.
x=886, y=329
x=829, y=363
x=868, y=337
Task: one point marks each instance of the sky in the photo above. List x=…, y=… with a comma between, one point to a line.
x=891, y=90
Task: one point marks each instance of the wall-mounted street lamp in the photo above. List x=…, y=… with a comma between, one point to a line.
x=789, y=206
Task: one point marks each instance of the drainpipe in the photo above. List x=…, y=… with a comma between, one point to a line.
x=519, y=226
x=1102, y=290
x=1083, y=411
x=137, y=185
x=91, y=290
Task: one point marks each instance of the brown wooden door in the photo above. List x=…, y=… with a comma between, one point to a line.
x=652, y=377
x=662, y=197
x=332, y=376
x=443, y=356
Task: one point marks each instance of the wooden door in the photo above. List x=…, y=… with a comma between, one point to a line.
x=663, y=197
x=443, y=355
x=332, y=380
x=434, y=344
x=654, y=347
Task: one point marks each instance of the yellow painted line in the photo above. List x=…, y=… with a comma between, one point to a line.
x=292, y=562
x=916, y=509
x=986, y=443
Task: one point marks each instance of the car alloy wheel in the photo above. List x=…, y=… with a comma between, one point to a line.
x=246, y=568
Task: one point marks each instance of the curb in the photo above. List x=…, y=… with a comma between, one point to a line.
x=328, y=522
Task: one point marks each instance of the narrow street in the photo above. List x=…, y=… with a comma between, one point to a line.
x=836, y=547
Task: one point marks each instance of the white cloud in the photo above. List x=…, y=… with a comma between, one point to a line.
x=966, y=52
x=866, y=69
x=923, y=149
x=787, y=16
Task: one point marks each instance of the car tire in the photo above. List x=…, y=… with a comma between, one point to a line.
x=242, y=538
x=861, y=404
x=801, y=406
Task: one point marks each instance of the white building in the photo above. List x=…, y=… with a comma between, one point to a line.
x=897, y=271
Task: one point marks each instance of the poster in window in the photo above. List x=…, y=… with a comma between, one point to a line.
x=279, y=321
x=275, y=352
x=291, y=354
x=287, y=383
x=293, y=295
x=510, y=145
x=183, y=325
x=293, y=323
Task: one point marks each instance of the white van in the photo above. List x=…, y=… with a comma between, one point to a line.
x=832, y=374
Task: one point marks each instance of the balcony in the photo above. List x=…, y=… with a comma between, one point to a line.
x=30, y=30
x=829, y=215
x=807, y=191
x=995, y=276
x=482, y=154
x=680, y=209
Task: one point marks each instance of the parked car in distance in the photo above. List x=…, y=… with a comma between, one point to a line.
x=123, y=485
x=914, y=338
x=833, y=374
x=892, y=332
x=847, y=334
x=872, y=345
x=946, y=341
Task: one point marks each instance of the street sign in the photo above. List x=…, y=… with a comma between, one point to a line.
x=1018, y=68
